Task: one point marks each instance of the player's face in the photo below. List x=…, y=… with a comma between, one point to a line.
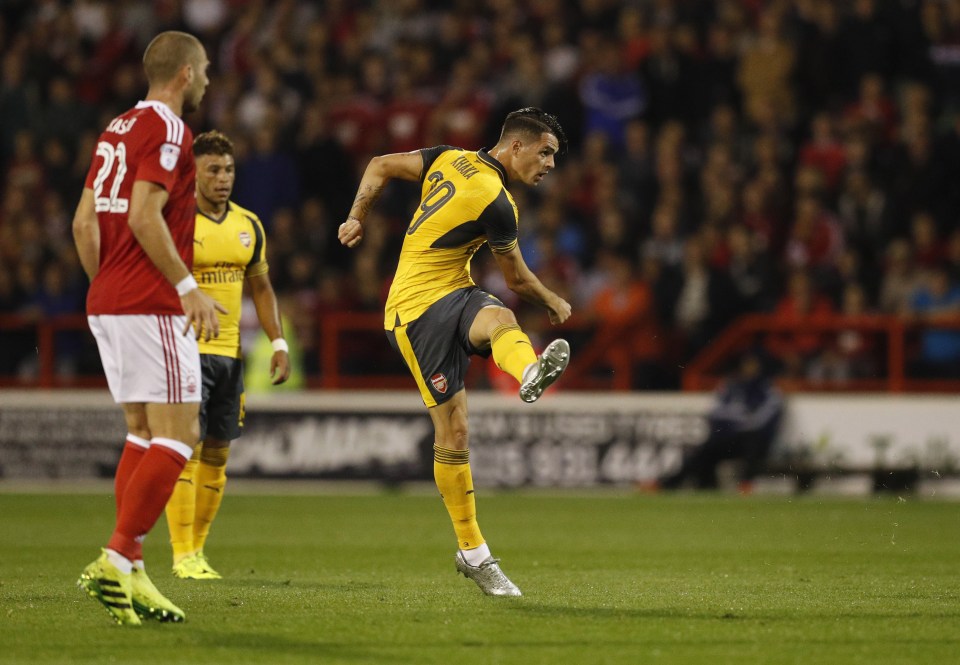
x=215, y=176
x=198, y=86
x=535, y=160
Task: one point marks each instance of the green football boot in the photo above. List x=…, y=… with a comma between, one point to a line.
x=208, y=570
x=149, y=603
x=195, y=567
x=104, y=582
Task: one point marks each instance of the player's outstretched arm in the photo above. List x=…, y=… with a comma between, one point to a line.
x=151, y=231
x=380, y=170
x=86, y=234
x=268, y=313
x=521, y=280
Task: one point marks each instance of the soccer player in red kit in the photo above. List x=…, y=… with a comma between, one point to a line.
x=134, y=233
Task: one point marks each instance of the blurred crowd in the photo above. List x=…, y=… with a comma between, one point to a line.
x=727, y=156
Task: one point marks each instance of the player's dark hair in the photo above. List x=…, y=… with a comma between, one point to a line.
x=532, y=121
x=212, y=143
x=167, y=53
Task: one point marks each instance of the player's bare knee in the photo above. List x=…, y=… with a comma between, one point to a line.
x=505, y=317
x=459, y=437
x=453, y=433
x=488, y=320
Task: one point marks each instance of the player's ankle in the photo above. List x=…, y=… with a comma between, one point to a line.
x=477, y=555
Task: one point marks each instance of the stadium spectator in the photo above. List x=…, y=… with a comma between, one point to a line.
x=900, y=278
x=864, y=217
x=873, y=114
x=627, y=321
x=268, y=177
x=766, y=67
x=664, y=244
x=702, y=296
x=928, y=247
x=824, y=151
x=852, y=353
x=749, y=271
x=792, y=346
x=820, y=46
x=815, y=241
x=611, y=95
x=936, y=301
x=743, y=424
x=56, y=295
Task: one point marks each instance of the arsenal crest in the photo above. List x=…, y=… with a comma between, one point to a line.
x=244, y=238
x=439, y=382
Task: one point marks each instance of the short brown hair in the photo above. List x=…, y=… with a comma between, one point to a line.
x=167, y=53
x=212, y=143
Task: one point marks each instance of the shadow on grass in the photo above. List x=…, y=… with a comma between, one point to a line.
x=620, y=613
x=348, y=586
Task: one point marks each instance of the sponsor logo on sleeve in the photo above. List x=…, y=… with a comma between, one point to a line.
x=169, y=154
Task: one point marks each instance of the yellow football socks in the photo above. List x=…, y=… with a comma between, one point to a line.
x=451, y=470
x=512, y=350
x=181, y=507
x=211, y=477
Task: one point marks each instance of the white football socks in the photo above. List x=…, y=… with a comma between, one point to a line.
x=123, y=564
x=530, y=370
x=477, y=555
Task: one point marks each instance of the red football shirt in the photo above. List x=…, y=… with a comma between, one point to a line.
x=148, y=142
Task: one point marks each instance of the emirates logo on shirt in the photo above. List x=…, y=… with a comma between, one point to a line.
x=439, y=382
x=244, y=238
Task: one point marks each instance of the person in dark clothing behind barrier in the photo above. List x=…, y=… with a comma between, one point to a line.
x=744, y=422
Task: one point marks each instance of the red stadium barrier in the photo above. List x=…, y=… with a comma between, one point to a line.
x=44, y=333
x=703, y=372
x=347, y=340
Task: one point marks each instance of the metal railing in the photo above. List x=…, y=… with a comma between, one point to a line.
x=347, y=340
x=703, y=372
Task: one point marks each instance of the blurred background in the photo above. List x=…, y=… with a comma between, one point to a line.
x=743, y=174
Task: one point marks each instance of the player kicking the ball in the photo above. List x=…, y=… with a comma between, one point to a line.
x=436, y=317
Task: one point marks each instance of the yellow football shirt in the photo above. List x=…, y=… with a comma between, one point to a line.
x=225, y=252
x=464, y=203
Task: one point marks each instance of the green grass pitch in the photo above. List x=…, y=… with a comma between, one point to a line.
x=607, y=578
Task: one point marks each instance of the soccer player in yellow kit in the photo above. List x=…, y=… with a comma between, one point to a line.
x=436, y=316
x=229, y=248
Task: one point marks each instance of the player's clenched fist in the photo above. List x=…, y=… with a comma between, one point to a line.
x=559, y=311
x=351, y=232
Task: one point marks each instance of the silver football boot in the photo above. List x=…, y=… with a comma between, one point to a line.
x=488, y=576
x=550, y=365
